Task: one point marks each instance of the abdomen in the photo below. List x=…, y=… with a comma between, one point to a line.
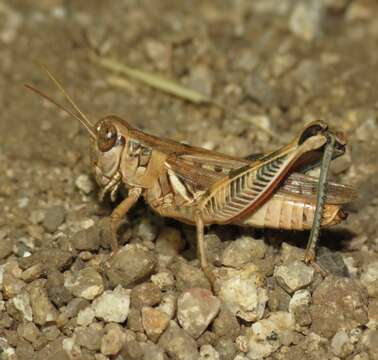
x=291, y=213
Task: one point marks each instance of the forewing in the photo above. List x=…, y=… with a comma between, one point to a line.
x=307, y=186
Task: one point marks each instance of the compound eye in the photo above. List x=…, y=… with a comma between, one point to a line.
x=107, y=136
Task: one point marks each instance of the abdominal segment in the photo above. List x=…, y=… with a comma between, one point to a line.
x=292, y=213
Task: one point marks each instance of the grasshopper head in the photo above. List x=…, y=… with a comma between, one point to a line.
x=107, y=148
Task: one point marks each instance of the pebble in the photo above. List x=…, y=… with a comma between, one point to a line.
x=6, y=247
x=169, y=242
x=131, y=265
x=74, y=306
x=331, y=261
x=299, y=307
x=242, y=251
x=29, y=331
x=113, y=305
x=113, y=341
x=369, y=278
x=242, y=293
x=56, y=291
x=306, y=19
x=338, y=303
x=11, y=285
x=49, y=258
x=370, y=341
x=226, y=324
x=86, y=283
x=294, y=276
x=146, y=294
x=85, y=184
x=153, y=352
x=154, y=322
x=178, y=343
x=196, y=309
x=278, y=298
x=44, y=311
x=87, y=239
x=189, y=276
x=207, y=352
x=266, y=334
x=22, y=303
x=89, y=337
x=169, y=304
x=226, y=348
x=85, y=316
x=164, y=280
x=341, y=345
x=145, y=230
x=373, y=310
x=54, y=217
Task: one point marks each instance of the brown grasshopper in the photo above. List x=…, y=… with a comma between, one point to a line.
x=203, y=187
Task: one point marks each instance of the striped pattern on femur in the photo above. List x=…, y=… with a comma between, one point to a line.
x=237, y=194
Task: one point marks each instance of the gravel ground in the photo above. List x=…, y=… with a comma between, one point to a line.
x=282, y=62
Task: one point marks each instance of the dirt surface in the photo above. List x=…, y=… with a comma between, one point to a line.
x=284, y=63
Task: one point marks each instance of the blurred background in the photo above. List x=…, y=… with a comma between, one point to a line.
x=282, y=63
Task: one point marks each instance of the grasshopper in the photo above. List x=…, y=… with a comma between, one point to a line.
x=202, y=187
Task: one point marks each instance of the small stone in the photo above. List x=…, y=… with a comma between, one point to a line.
x=207, y=352
x=196, y=309
x=145, y=230
x=89, y=337
x=44, y=311
x=188, y=276
x=291, y=253
x=85, y=316
x=36, y=216
x=266, y=334
x=331, y=261
x=373, y=310
x=169, y=305
x=131, y=350
x=87, y=283
x=201, y=80
x=164, y=280
x=338, y=303
x=113, y=341
x=74, y=306
x=56, y=291
x=87, y=239
x=299, y=307
x=341, y=345
x=134, y=320
x=294, y=276
x=242, y=293
x=49, y=258
x=178, y=344
x=85, y=184
x=169, y=242
x=160, y=53
x=131, y=265
x=243, y=251
x=29, y=331
x=153, y=352
x=51, y=332
x=146, y=294
x=370, y=342
x=11, y=285
x=154, y=322
x=226, y=348
x=278, y=298
x=113, y=306
x=32, y=273
x=369, y=278
x=54, y=217
x=22, y=303
x=6, y=247
x=307, y=19
x=226, y=324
